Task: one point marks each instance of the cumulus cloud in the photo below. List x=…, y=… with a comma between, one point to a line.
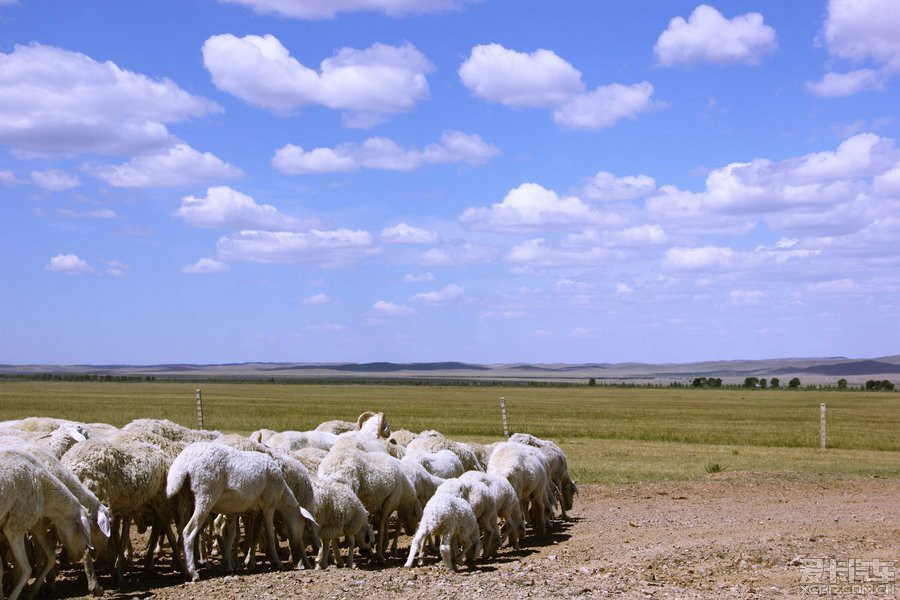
x=68, y=264
x=531, y=207
x=637, y=236
x=536, y=253
x=55, y=180
x=418, y=278
x=327, y=9
x=390, y=309
x=705, y=257
x=371, y=83
x=318, y=299
x=224, y=207
x=708, y=37
x=864, y=30
x=206, y=266
x=542, y=79
x=606, y=186
x=8, y=178
x=466, y=253
x=406, y=234
x=445, y=294
x=179, y=165
x=835, y=85
x=384, y=154
x=57, y=101
x=334, y=248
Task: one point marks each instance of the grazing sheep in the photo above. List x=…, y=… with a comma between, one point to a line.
x=227, y=481
x=373, y=424
x=443, y=463
x=294, y=440
x=434, y=441
x=508, y=509
x=366, y=442
x=453, y=521
x=528, y=472
x=101, y=519
x=482, y=502
x=311, y=458
x=261, y=435
x=171, y=430
x=402, y=437
x=130, y=478
x=339, y=511
x=380, y=483
x=337, y=427
x=559, y=467
x=29, y=493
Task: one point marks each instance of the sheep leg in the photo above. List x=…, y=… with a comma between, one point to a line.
x=118, y=550
x=191, y=531
x=151, y=546
x=40, y=536
x=169, y=535
x=20, y=560
x=415, y=548
x=271, y=548
x=127, y=551
x=93, y=582
x=351, y=548
x=447, y=553
x=228, y=534
x=382, y=536
x=251, y=535
x=324, y=551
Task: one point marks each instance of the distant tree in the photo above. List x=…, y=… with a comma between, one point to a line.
x=842, y=384
x=794, y=383
x=775, y=383
x=750, y=382
x=714, y=382
x=887, y=385
x=592, y=382
x=763, y=383
x=699, y=382
x=874, y=384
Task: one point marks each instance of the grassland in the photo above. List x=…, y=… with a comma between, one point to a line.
x=610, y=434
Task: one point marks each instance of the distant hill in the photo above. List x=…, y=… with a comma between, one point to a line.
x=844, y=369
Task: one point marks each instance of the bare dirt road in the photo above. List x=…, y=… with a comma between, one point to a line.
x=732, y=535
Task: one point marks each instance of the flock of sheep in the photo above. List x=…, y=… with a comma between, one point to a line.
x=83, y=486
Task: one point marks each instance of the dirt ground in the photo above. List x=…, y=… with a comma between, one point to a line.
x=732, y=535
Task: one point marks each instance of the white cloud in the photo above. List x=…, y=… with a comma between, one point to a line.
x=224, y=207
x=446, y=294
x=59, y=101
x=68, y=264
x=705, y=257
x=327, y=328
x=503, y=314
x=708, y=37
x=637, y=236
x=384, y=154
x=206, y=266
x=624, y=289
x=888, y=183
x=371, y=83
x=318, y=299
x=100, y=213
x=834, y=286
x=421, y=277
x=543, y=79
x=179, y=165
x=8, y=178
x=334, y=248
x=465, y=253
x=834, y=85
x=606, y=186
x=116, y=268
x=406, y=234
x=604, y=106
x=747, y=296
x=535, y=253
x=392, y=310
x=531, y=207
x=327, y=9
x=864, y=29
x=513, y=78
x=55, y=180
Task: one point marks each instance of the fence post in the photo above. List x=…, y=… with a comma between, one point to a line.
x=822, y=426
x=199, y=409
x=503, y=412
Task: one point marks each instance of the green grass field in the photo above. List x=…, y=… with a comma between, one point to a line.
x=609, y=434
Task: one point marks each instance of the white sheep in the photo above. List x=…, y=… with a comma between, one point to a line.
x=337, y=427
x=374, y=424
x=227, y=481
x=559, y=467
x=482, y=502
x=443, y=463
x=294, y=440
x=402, y=437
x=311, y=458
x=28, y=493
x=508, y=509
x=339, y=511
x=171, y=430
x=433, y=441
x=380, y=483
x=527, y=470
x=453, y=521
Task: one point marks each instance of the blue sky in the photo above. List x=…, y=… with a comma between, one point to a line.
x=427, y=180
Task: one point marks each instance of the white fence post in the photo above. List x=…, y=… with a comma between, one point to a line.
x=199, y=409
x=503, y=412
x=822, y=426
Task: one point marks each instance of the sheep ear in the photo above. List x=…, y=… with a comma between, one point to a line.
x=76, y=435
x=308, y=516
x=103, y=522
